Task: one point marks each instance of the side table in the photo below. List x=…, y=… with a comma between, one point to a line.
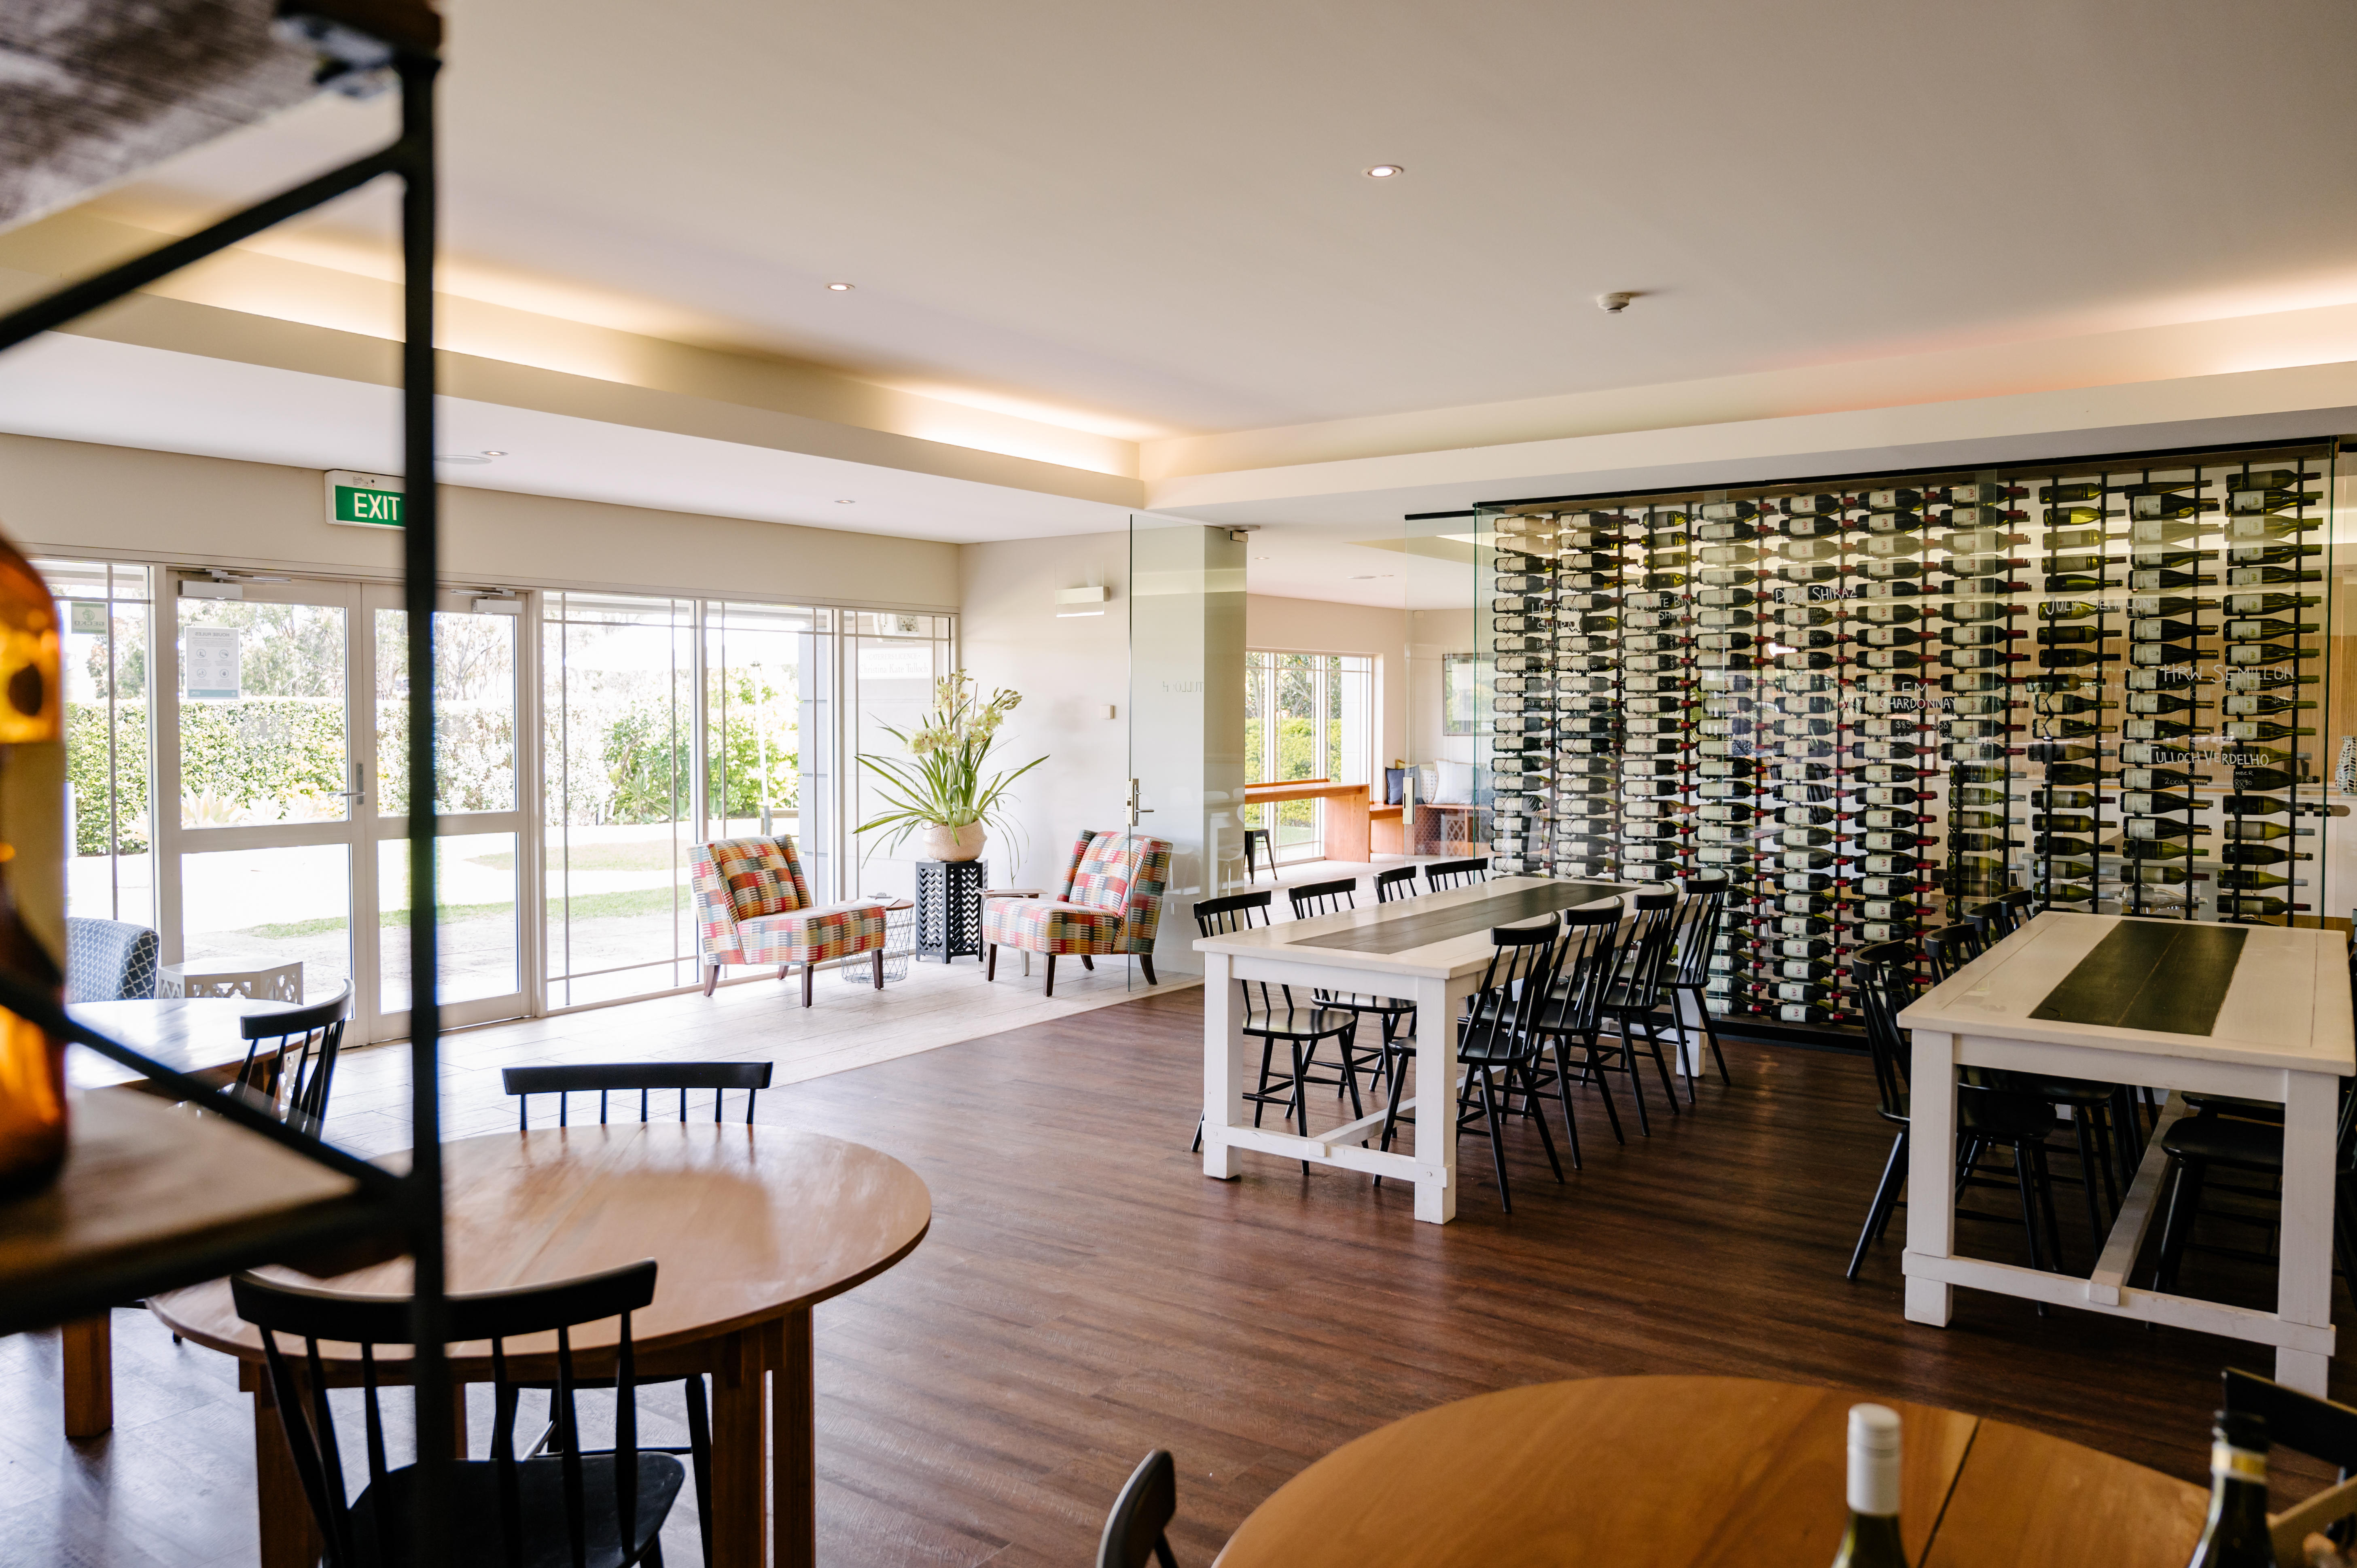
x=949, y=908
x=252, y=976
x=899, y=928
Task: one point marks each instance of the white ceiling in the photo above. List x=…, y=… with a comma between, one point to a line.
x=1155, y=216
x=87, y=389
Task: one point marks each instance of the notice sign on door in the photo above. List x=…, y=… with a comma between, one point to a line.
x=363, y=500
x=213, y=663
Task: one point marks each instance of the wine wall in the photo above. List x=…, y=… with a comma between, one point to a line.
x=1874, y=704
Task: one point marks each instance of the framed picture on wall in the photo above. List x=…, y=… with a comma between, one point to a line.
x=1461, y=692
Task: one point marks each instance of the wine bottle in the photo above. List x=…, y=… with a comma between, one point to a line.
x=2268, y=604
x=2073, y=657
x=2068, y=636
x=2062, y=799
x=2261, y=576
x=2152, y=505
x=2075, y=773
x=2239, y=880
x=2042, y=846
x=2260, y=855
x=2248, y=906
x=2143, y=803
x=2078, y=582
x=2256, y=528
x=2268, y=479
x=1871, y=1540
x=2265, y=654
x=2260, y=630
x=32, y=881
x=2071, y=516
x=2235, y=1534
x=2241, y=828
x=2255, y=555
x=2159, y=729
x=2162, y=828
x=2155, y=703
x=2158, y=779
x=2259, y=729
x=2143, y=581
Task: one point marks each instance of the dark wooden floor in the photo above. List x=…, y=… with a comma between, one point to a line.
x=1086, y=1294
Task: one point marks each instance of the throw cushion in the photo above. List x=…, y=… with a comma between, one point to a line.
x=760, y=876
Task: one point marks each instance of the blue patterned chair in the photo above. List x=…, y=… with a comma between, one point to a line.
x=108, y=960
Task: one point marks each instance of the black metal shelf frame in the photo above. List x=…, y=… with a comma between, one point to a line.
x=355, y=39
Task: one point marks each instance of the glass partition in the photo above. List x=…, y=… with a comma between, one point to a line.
x=1876, y=703
x=106, y=663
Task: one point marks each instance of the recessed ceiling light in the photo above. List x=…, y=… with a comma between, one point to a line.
x=460, y=457
x=842, y=287
x=1386, y=171
x=489, y=453
x=848, y=502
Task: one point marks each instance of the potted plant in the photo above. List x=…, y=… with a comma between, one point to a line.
x=940, y=792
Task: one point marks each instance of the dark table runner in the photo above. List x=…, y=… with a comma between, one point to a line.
x=2169, y=978
x=1464, y=919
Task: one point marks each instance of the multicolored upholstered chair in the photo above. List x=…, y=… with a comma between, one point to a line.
x=753, y=906
x=1110, y=903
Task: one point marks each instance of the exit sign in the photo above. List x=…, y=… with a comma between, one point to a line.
x=363, y=500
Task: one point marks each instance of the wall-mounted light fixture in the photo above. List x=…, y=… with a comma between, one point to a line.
x=1069, y=600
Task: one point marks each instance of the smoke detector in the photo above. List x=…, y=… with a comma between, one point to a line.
x=1614, y=304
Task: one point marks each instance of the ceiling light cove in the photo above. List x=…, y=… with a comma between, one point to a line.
x=1386, y=171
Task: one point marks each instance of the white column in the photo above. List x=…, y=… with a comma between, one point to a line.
x=1225, y=1068
x=1931, y=1173
x=2304, y=1277
x=1437, y=1002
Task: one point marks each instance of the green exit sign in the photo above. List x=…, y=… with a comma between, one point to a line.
x=363, y=500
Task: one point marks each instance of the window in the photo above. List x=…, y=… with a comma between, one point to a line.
x=1306, y=716
x=104, y=663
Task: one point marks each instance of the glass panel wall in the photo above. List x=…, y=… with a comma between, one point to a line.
x=764, y=680
x=891, y=663
x=617, y=719
x=110, y=872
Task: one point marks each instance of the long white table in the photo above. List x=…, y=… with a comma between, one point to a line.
x=2262, y=1011
x=1430, y=951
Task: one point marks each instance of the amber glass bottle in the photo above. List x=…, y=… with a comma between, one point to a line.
x=32, y=880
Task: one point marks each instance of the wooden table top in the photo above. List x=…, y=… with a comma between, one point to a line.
x=2286, y=1005
x=1703, y=1471
x=146, y=1181
x=1303, y=790
x=1437, y=934
x=191, y=1034
x=744, y=1223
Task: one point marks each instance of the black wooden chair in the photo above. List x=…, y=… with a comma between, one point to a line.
x=2222, y=1136
x=1702, y=904
x=1586, y=965
x=1636, y=996
x=647, y=1079
x=1442, y=874
x=566, y=1510
x=1137, y=1532
x=1996, y=920
x=2321, y=1428
x=290, y=1058
x=1272, y=1016
x=644, y=1078
x=1886, y=984
x=1312, y=899
x=2096, y=1110
x=1394, y=884
x=1497, y=1044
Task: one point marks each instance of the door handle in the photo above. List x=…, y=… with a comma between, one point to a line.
x=1136, y=810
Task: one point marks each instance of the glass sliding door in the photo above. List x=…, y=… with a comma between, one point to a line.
x=257, y=763
x=478, y=769
x=618, y=682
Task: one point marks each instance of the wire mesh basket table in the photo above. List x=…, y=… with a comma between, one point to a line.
x=899, y=940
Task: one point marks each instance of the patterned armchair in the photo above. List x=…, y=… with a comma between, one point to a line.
x=1110, y=903
x=753, y=906
x=108, y=961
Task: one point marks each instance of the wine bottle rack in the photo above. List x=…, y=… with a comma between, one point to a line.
x=1874, y=703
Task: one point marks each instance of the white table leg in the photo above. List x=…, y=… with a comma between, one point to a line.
x=1437, y=1002
x=1225, y=1069
x=1931, y=1173
x=2304, y=1277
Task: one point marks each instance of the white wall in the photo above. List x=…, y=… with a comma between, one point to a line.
x=1434, y=633
x=63, y=497
x=1069, y=672
x=1317, y=626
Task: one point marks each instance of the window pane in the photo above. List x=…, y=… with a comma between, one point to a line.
x=619, y=715
x=476, y=912
x=271, y=906
x=474, y=712
x=757, y=661
x=262, y=727
x=104, y=659
x=892, y=676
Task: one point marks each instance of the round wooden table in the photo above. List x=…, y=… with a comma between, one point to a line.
x=749, y=1227
x=1704, y=1471
x=194, y=1034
